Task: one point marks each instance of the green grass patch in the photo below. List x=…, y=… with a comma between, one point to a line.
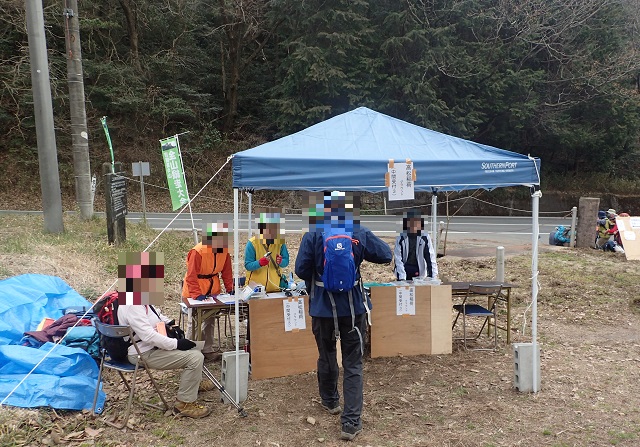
x=619, y=436
x=461, y=391
x=87, y=242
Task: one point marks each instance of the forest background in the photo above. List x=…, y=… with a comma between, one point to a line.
x=555, y=79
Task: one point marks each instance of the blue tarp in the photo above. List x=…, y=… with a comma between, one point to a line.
x=350, y=152
x=67, y=378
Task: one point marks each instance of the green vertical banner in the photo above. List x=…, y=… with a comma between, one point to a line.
x=175, y=174
x=103, y=120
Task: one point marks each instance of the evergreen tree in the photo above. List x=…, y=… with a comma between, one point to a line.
x=326, y=64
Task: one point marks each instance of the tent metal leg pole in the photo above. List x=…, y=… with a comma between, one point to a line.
x=249, y=211
x=236, y=254
x=535, y=204
x=434, y=221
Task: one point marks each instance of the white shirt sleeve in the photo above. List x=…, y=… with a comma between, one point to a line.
x=397, y=254
x=143, y=322
x=434, y=257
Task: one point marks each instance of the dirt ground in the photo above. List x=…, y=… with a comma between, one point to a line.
x=588, y=331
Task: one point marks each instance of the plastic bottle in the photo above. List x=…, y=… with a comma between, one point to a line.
x=292, y=283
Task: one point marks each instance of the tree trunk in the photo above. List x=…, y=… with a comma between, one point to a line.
x=79, y=134
x=132, y=29
x=234, y=36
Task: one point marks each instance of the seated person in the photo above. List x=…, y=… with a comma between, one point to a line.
x=206, y=263
x=162, y=352
x=414, y=253
x=264, y=269
x=140, y=285
x=607, y=232
x=617, y=235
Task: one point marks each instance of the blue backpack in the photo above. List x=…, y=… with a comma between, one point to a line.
x=339, y=273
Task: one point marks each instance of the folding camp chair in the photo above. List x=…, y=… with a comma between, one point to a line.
x=468, y=309
x=106, y=330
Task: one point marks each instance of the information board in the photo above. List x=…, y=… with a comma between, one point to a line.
x=118, y=192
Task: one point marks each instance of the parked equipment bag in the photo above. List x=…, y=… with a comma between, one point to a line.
x=107, y=310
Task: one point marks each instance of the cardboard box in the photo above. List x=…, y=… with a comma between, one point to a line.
x=274, y=351
x=427, y=332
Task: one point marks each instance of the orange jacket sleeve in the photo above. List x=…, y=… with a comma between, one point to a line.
x=227, y=274
x=194, y=261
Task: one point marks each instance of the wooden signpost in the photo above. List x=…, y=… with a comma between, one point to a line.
x=115, y=192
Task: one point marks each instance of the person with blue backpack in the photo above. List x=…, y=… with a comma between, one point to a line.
x=414, y=254
x=329, y=261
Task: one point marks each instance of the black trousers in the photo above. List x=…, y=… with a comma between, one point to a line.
x=328, y=372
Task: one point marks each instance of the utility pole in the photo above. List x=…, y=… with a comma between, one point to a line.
x=43, y=112
x=79, y=135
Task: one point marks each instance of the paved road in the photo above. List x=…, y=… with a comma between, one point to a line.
x=513, y=229
x=474, y=233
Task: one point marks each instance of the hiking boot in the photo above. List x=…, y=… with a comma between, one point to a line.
x=206, y=385
x=190, y=409
x=350, y=431
x=332, y=408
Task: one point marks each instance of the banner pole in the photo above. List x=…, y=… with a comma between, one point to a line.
x=103, y=120
x=184, y=179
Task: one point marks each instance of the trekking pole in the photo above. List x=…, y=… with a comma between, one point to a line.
x=223, y=391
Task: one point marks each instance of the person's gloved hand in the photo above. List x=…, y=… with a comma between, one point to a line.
x=201, y=297
x=184, y=344
x=263, y=261
x=279, y=259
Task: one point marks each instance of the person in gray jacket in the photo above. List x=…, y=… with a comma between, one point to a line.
x=414, y=254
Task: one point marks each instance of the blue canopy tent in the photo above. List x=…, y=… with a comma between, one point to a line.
x=350, y=152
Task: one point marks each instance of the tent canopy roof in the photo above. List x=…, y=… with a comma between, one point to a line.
x=351, y=152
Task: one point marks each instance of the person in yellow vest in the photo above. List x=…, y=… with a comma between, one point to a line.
x=206, y=263
x=266, y=254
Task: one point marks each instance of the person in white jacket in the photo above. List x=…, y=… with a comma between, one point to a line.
x=164, y=353
x=414, y=254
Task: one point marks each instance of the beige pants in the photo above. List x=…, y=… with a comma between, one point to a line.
x=190, y=360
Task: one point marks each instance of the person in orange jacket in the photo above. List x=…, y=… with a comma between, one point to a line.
x=206, y=263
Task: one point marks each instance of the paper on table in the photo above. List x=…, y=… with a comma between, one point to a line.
x=225, y=298
x=194, y=302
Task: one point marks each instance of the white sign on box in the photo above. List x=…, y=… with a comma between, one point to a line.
x=294, y=315
x=406, y=300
